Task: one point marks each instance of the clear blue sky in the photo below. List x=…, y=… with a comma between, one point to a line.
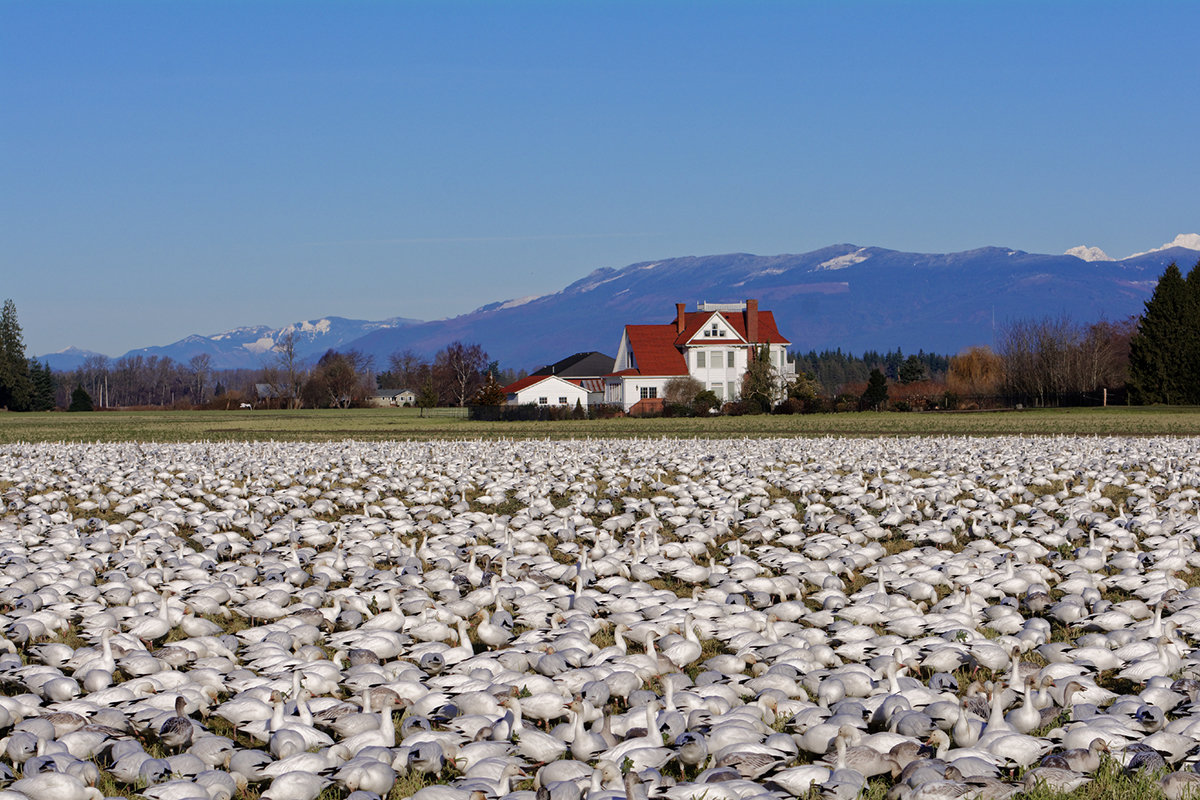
x=170, y=168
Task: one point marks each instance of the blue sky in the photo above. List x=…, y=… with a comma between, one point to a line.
x=187, y=167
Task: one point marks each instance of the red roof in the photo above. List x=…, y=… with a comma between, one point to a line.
x=658, y=349
x=654, y=350
x=693, y=321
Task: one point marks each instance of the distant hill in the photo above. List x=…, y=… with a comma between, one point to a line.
x=67, y=360
x=250, y=347
x=843, y=296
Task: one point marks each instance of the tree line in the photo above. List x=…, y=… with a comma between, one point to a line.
x=338, y=379
x=1154, y=358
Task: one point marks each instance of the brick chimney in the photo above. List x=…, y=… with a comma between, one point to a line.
x=679, y=323
x=752, y=321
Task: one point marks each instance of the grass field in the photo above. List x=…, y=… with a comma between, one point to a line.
x=404, y=423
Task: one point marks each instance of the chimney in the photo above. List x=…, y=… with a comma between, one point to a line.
x=679, y=324
x=752, y=321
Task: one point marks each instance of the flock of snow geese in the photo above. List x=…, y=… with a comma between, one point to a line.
x=924, y=618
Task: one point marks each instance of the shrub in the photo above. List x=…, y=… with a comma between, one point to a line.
x=677, y=410
x=682, y=390
x=605, y=411
x=705, y=402
x=789, y=406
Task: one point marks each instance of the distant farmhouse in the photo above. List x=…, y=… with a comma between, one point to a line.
x=712, y=344
x=392, y=397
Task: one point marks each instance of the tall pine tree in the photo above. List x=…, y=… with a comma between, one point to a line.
x=16, y=389
x=42, y=382
x=1166, y=347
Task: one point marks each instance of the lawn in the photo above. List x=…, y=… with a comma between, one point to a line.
x=394, y=423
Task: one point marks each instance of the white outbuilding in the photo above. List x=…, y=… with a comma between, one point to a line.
x=546, y=390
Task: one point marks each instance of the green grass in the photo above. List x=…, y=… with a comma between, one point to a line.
x=377, y=424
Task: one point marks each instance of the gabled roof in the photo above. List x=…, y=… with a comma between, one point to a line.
x=532, y=380
x=658, y=349
x=654, y=350
x=694, y=321
x=580, y=365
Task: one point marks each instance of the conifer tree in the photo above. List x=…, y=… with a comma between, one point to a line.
x=1164, y=346
x=876, y=393
x=42, y=382
x=80, y=400
x=15, y=386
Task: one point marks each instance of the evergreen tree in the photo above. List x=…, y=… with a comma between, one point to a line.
x=876, y=393
x=428, y=396
x=491, y=393
x=15, y=386
x=912, y=369
x=1165, y=344
x=42, y=382
x=80, y=400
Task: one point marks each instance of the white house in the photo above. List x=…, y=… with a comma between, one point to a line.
x=546, y=390
x=712, y=344
x=392, y=397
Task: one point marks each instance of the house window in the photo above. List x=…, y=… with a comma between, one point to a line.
x=719, y=391
x=700, y=359
x=731, y=392
x=543, y=401
x=562, y=401
x=715, y=330
x=649, y=392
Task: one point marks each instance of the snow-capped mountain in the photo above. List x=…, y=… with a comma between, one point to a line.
x=844, y=296
x=1088, y=253
x=250, y=347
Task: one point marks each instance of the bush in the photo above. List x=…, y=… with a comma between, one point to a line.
x=845, y=402
x=705, y=402
x=902, y=405
x=677, y=410
x=605, y=411
x=789, y=406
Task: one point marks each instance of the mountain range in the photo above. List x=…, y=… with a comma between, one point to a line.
x=843, y=296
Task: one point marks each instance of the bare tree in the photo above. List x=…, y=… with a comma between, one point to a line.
x=340, y=380
x=1049, y=359
x=288, y=376
x=975, y=372
x=406, y=370
x=459, y=371
x=200, y=366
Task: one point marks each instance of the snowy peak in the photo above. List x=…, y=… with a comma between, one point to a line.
x=1188, y=241
x=841, y=262
x=1088, y=253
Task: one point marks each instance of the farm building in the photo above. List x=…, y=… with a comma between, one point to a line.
x=546, y=390
x=392, y=397
x=586, y=369
x=712, y=344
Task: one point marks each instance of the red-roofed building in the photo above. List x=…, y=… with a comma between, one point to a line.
x=546, y=390
x=713, y=344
